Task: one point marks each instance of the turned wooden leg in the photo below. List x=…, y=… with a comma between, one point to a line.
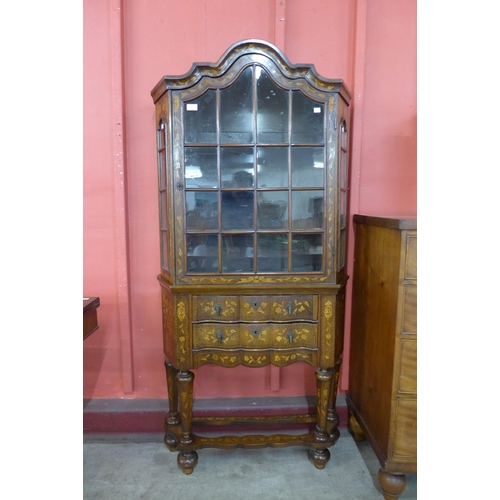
x=321, y=456
x=332, y=415
x=173, y=393
x=187, y=459
x=173, y=404
x=356, y=429
x=392, y=484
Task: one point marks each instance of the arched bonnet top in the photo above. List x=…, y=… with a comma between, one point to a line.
x=240, y=55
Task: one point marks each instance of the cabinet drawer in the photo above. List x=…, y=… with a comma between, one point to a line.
x=214, y=307
x=292, y=307
x=256, y=308
x=411, y=257
x=256, y=336
x=405, y=433
x=295, y=335
x=410, y=309
x=216, y=335
x=408, y=366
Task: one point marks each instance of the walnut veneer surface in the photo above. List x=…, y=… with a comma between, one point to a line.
x=382, y=395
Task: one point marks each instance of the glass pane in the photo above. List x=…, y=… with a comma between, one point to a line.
x=200, y=167
x=165, y=250
x=163, y=210
x=236, y=111
x=343, y=170
x=272, y=253
x=343, y=207
x=307, y=120
x=307, y=210
x=272, y=110
x=272, y=167
x=343, y=132
x=200, y=119
x=237, y=167
x=237, y=254
x=237, y=171
x=162, y=169
x=308, y=167
x=202, y=253
x=307, y=252
x=237, y=210
x=342, y=248
x=272, y=210
x=201, y=210
x=161, y=135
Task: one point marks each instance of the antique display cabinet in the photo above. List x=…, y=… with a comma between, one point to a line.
x=253, y=183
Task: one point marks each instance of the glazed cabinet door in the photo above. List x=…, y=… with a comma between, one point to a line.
x=258, y=163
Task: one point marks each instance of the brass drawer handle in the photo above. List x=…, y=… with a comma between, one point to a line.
x=219, y=337
x=289, y=336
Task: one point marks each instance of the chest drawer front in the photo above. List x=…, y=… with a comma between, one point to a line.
x=293, y=307
x=216, y=335
x=255, y=308
x=405, y=432
x=216, y=308
x=410, y=309
x=256, y=336
x=411, y=257
x=295, y=335
x=408, y=370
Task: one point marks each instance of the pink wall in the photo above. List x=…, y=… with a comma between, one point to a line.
x=128, y=47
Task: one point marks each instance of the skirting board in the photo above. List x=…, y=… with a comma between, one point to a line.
x=148, y=415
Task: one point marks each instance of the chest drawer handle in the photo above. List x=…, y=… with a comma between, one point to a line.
x=218, y=309
x=289, y=308
x=289, y=336
x=219, y=337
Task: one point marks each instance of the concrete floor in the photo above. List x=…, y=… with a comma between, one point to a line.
x=141, y=466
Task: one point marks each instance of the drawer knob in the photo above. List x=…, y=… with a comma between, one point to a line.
x=289, y=336
x=289, y=308
x=218, y=309
x=219, y=337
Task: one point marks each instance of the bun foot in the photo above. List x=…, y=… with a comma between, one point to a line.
x=356, y=429
x=392, y=484
x=187, y=461
x=319, y=458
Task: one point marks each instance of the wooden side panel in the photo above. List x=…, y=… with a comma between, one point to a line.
x=168, y=323
x=374, y=317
